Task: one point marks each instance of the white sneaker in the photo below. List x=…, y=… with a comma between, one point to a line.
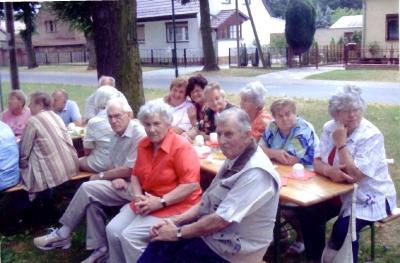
x=52, y=240
x=99, y=255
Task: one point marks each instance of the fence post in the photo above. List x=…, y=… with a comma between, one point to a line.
x=58, y=58
x=151, y=57
x=70, y=53
x=229, y=57
x=84, y=56
x=184, y=57
x=45, y=56
x=316, y=55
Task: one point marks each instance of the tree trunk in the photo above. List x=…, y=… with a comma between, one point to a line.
x=117, y=52
x=27, y=35
x=210, y=61
x=92, y=52
x=11, y=45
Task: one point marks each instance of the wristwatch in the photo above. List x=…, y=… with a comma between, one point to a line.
x=163, y=203
x=101, y=175
x=179, y=233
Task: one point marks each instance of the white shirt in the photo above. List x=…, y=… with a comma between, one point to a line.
x=366, y=146
x=179, y=113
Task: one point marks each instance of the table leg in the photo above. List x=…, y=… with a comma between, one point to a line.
x=277, y=235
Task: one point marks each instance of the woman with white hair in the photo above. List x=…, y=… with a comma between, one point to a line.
x=252, y=100
x=165, y=183
x=351, y=150
x=98, y=135
x=16, y=116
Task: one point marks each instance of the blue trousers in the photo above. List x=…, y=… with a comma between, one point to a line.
x=185, y=251
x=339, y=232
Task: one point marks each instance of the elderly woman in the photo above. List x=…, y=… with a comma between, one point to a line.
x=176, y=99
x=165, y=182
x=47, y=156
x=352, y=151
x=252, y=99
x=216, y=102
x=17, y=114
x=289, y=139
x=98, y=135
x=195, y=91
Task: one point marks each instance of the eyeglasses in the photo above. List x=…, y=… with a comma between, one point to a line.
x=117, y=116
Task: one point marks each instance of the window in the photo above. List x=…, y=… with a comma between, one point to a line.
x=50, y=26
x=232, y=31
x=182, y=32
x=392, y=27
x=140, y=33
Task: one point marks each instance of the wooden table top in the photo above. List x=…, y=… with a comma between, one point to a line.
x=300, y=192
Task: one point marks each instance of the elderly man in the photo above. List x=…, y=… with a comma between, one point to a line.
x=103, y=189
x=9, y=170
x=91, y=109
x=67, y=109
x=235, y=219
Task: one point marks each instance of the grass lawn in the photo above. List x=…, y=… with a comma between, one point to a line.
x=359, y=74
x=236, y=72
x=76, y=68
x=18, y=247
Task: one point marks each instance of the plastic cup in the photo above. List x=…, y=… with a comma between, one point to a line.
x=298, y=170
x=199, y=140
x=213, y=138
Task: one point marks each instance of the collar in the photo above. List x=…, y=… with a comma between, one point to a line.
x=129, y=130
x=240, y=161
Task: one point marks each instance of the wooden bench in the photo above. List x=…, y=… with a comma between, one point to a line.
x=395, y=214
x=80, y=176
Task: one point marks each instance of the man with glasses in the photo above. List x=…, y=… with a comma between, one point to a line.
x=104, y=189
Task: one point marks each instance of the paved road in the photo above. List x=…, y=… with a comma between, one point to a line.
x=288, y=82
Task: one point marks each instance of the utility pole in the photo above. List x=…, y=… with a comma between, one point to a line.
x=174, y=57
x=11, y=45
x=237, y=34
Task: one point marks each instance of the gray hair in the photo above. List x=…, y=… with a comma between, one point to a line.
x=242, y=118
x=103, y=95
x=106, y=81
x=62, y=92
x=214, y=86
x=155, y=107
x=19, y=95
x=119, y=102
x=256, y=92
x=348, y=96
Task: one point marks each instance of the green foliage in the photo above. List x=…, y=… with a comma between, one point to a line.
x=344, y=11
x=77, y=14
x=277, y=7
x=373, y=48
x=278, y=41
x=323, y=18
x=332, y=43
x=300, y=25
x=357, y=36
x=340, y=41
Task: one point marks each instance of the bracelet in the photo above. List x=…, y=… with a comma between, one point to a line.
x=341, y=147
x=179, y=233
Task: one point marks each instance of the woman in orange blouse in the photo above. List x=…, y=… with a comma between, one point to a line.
x=165, y=182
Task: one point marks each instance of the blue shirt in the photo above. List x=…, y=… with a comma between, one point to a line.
x=300, y=142
x=70, y=113
x=9, y=158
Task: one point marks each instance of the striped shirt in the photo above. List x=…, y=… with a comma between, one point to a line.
x=366, y=146
x=47, y=156
x=97, y=138
x=124, y=148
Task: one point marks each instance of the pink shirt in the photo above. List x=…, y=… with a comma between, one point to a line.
x=17, y=122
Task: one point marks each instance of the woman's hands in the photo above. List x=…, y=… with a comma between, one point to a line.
x=147, y=203
x=164, y=230
x=283, y=157
x=339, y=134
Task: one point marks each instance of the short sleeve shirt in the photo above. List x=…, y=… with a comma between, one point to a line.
x=17, y=122
x=124, y=148
x=300, y=142
x=9, y=157
x=259, y=124
x=175, y=163
x=70, y=113
x=366, y=146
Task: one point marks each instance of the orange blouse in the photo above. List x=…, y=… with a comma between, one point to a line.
x=260, y=123
x=175, y=163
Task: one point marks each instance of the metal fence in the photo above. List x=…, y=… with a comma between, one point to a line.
x=186, y=56
x=43, y=58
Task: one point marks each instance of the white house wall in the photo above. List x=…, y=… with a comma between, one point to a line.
x=265, y=24
x=155, y=38
x=323, y=36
